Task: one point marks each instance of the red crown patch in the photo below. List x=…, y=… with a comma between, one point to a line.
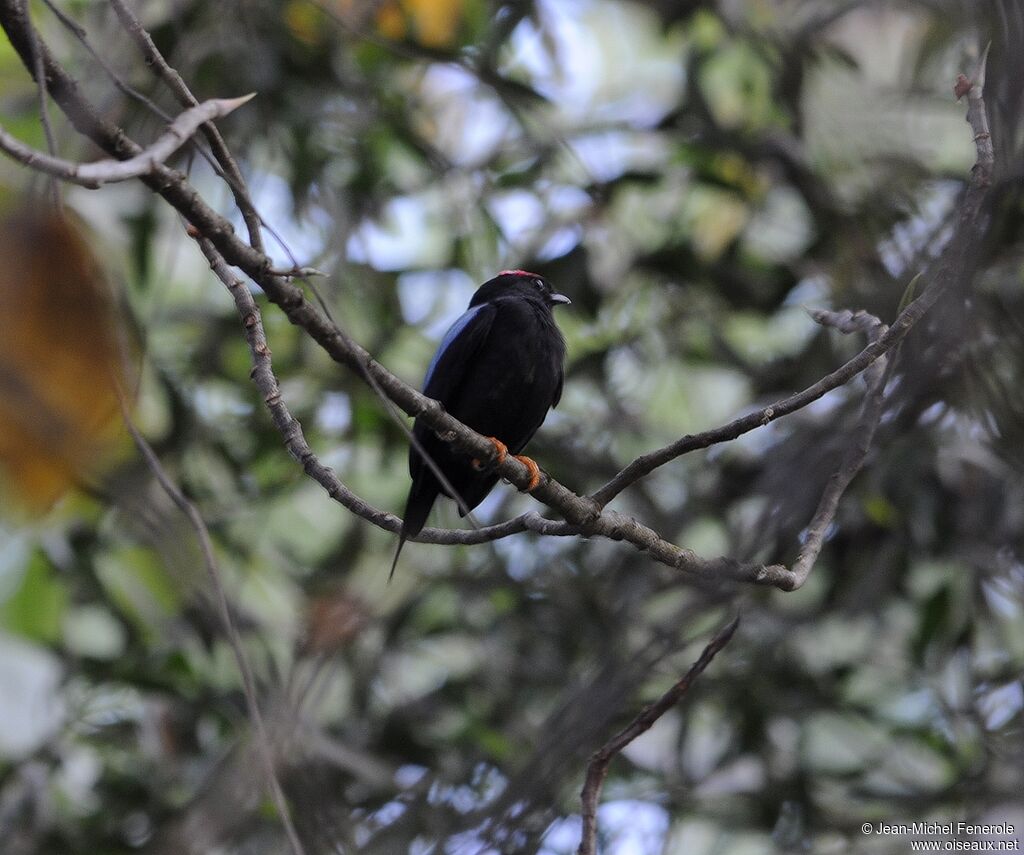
x=519, y=273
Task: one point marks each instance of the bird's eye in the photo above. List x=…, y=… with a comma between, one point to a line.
x=539, y=283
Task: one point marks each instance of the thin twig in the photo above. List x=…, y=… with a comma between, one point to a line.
x=81, y=35
x=266, y=382
x=597, y=769
x=44, y=107
x=163, y=70
x=101, y=172
x=235, y=640
x=298, y=272
x=977, y=116
x=219, y=158
x=877, y=376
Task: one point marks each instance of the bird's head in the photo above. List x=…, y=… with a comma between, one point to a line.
x=519, y=283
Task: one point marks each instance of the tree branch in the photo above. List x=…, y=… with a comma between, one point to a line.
x=101, y=172
x=218, y=156
x=597, y=769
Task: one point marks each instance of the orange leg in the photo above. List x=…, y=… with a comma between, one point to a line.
x=534, y=471
x=500, y=449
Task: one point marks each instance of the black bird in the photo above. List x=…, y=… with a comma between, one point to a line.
x=498, y=370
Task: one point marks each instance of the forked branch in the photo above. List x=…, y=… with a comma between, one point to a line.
x=597, y=770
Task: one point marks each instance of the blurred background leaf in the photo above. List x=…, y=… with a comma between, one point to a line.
x=62, y=358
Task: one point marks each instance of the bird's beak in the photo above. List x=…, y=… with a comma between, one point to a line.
x=560, y=298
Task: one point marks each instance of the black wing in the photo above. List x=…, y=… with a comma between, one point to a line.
x=456, y=352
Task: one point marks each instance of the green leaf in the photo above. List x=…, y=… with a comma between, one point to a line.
x=881, y=511
x=908, y=294
x=38, y=605
x=935, y=619
x=138, y=585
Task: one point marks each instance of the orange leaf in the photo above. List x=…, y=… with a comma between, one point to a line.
x=61, y=358
x=432, y=23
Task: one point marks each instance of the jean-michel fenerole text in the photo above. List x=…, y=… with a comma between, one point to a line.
x=942, y=828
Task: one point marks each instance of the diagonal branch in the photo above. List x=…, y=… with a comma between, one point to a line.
x=597, y=770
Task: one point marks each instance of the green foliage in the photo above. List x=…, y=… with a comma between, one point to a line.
x=38, y=604
x=692, y=178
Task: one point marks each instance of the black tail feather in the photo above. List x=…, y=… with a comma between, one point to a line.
x=394, y=562
x=417, y=508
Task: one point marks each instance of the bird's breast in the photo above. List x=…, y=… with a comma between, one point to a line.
x=513, y=381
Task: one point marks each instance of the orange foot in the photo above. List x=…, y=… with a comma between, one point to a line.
x=534, y=471
x=499, y=448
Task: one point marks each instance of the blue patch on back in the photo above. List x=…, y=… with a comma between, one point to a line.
x=449, y=337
